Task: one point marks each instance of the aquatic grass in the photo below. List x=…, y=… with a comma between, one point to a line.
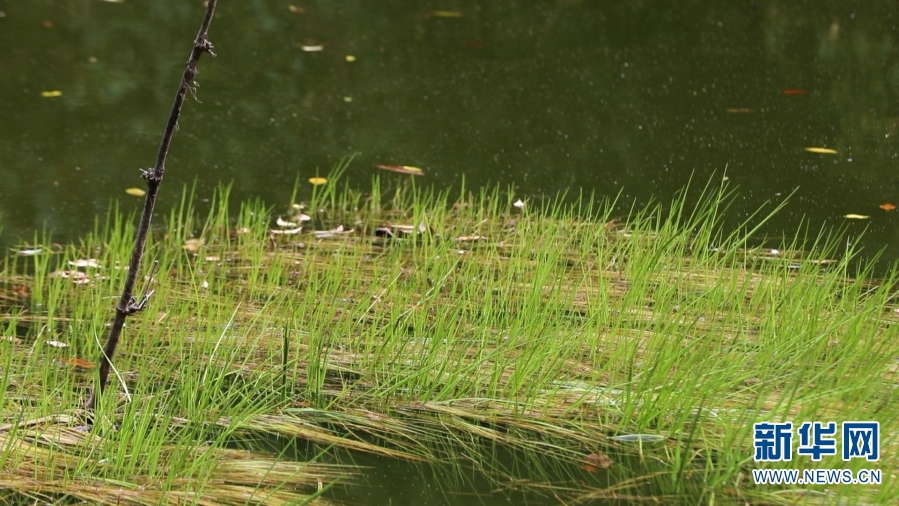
x=480, y=335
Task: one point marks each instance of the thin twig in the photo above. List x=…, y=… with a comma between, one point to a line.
x=128, y=304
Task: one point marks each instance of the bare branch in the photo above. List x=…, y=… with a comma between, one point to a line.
x=128, y=304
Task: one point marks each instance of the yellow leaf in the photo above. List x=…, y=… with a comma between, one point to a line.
x=137, y=192
x=857, y=217
x=448, y=14
x=50, y=94
x=317, y=180
x=822, y=151
x=350, y=58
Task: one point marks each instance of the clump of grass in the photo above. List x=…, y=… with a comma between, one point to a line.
x=417, y=325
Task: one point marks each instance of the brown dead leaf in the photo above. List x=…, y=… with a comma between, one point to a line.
x=77, y=362
x=598, y=460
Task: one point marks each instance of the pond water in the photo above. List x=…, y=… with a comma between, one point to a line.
x=490, y=475
x=547, y=96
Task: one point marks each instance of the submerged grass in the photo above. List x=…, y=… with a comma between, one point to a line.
x=412, y=325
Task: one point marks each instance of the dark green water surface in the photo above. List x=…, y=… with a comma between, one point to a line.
x=608, y=97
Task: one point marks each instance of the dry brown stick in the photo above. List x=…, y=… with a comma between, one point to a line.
x=128, y=304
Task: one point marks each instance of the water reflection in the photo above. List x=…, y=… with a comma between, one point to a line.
x=560, y=95
x=485, y=474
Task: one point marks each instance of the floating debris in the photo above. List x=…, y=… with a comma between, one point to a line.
x=317, y=181
x=397, y=231
x=857, y=216
x=282, y=223
x=81, y=262
x=334, y=232
x=447, y=14
x=886, y=206
x=596, y=461
x=403, y=169
x=288, y=231
x=821, y=151
x=193, y=245
x=51, y=94
x=77, y=362
x=77, y=277
x=137, y=192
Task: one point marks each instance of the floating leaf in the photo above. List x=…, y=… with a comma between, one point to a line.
x=316, y=181
x=886, y=206
x=77, y=277
x=81, y=262
x=794, y=91
x=737, y=110
x=403, y=169
x=286, y=231
x=334, y=232
x=821, y=151
x=857, y=216
x=399, y=231
x=193, y=245
x=137, y=192
x=294, y=8
x=596, y=461
x=78, y=362
x=312, y=49
x=448, y=14
x=29, y=252
x=52, y=93
x=348, y=99
x=350, y=58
